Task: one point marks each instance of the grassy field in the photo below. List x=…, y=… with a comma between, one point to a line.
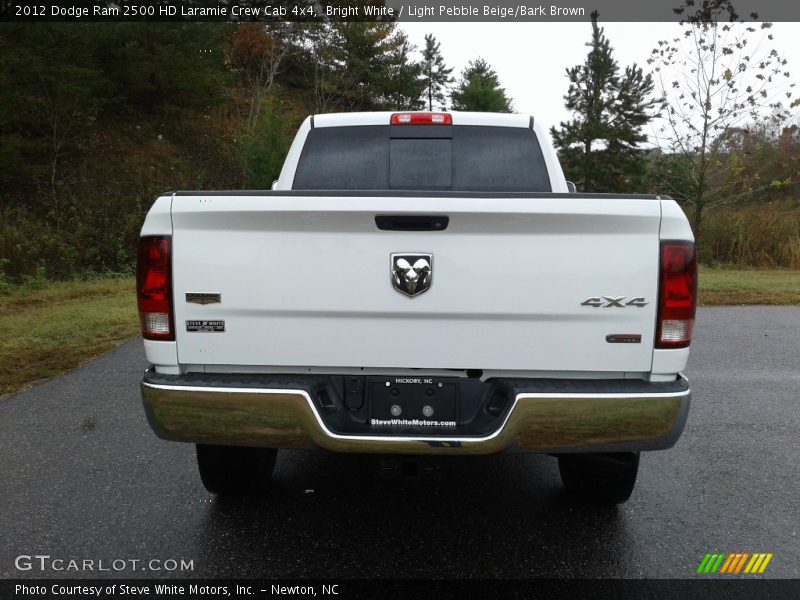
x=737, y=287
x=54, y=327
x=50, y=328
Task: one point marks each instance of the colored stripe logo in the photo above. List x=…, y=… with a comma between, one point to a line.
x=734, y=564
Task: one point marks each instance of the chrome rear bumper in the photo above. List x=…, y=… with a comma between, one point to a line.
x=556, y=420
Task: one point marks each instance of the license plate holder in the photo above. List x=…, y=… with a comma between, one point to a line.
x=426, y=399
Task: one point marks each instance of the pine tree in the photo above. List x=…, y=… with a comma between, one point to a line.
x=599, y=147
x=369, y=60
x=479, y=90
x=435, y=74
x=402, y=89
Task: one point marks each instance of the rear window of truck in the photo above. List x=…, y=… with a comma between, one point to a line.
x=419, y=157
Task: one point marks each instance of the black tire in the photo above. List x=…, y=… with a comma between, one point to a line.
x=236, y=470
x=604, y=479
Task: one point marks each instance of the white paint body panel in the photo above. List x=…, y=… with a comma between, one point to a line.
x=306, y=281
x=159, y=219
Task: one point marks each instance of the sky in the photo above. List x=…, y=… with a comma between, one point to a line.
x=531, y=58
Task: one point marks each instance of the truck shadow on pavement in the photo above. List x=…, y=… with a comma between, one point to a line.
x=357, y=516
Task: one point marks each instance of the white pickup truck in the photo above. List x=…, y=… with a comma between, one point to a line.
x=418, y=283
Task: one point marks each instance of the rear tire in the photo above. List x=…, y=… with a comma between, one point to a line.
x=236, y=470
x=603, y=479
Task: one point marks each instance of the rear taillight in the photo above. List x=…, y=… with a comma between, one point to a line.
x=677, y=299
x=421, y=118
x=153, y=288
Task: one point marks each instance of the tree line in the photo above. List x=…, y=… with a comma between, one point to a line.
x=716, y=104
x=98, y=119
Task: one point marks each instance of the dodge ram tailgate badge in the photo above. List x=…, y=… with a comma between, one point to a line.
x=198, y=298
x=412, y=273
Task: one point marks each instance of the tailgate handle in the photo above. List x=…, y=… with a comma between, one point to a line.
x=412, y=222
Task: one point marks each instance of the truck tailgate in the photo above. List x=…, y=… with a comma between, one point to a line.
x=305, y=281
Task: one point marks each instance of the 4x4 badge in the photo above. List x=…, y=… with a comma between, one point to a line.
x=412, y=274
x=614, y=301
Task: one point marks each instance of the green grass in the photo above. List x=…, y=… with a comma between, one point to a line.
x=49, y=328
x=749, y=286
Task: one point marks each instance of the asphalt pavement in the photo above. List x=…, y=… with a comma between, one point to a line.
x=84, y=478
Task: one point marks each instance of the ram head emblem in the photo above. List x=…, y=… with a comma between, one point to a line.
x=412, y=273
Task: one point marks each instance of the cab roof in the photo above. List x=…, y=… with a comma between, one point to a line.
x=459, y=118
